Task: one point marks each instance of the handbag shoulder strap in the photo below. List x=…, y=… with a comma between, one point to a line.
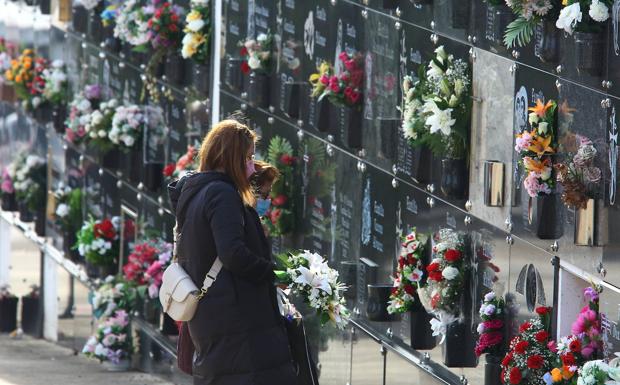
x=211, y=275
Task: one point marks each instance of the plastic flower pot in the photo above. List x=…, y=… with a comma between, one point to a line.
x=353, y=119
x=45, y=6
x=492, y=370
x=460, y=14
x=376, y=306
x=454, y=178
x=498, y=18
x=153, y=177
x=79, y=19
x=259, y=90
x=292, y=99
x=121, y=366
x=9, y=202
x=421, y=333
x=546, y=216
x=548, y=47
x=589, y=48
x=458, y=347
x=8, y=314
x=323, y=111
x=31, y=316
x=39, y=223
x=348, y=275
x=174, y=68
x=233, y=75
x=43, y=113
x=25, y=215
x=59, y=115
x=168, y=326
x=111, y=159
x=201, y=78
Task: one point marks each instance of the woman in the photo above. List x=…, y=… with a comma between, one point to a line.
x=237, y=331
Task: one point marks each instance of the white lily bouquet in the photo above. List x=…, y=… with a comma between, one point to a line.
x=308, y=275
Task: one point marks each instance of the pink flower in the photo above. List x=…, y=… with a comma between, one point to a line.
x=324, y=79
x=523, y=142
x=587, y=351
x=533, y=186
x=335, y=87
x=343, y=56
x=552, y=346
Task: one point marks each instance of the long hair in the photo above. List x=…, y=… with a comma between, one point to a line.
x=265, y=173
x=226, y=147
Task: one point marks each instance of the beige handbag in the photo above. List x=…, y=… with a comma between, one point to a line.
x=178, y=294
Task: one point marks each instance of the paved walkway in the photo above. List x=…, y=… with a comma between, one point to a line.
x=37, y=362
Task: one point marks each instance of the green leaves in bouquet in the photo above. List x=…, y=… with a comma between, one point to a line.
x=519, y=32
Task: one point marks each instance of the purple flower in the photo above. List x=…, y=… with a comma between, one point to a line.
x=92, y=91
x=115, y=355
x=590, y=293
x=592, y=174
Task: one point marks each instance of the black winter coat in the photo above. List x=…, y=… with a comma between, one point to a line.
x=237, y=331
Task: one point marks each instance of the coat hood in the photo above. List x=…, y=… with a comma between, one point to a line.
x=183, y=190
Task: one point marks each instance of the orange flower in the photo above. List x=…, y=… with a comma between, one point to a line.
x=18, y=79
x=27, y=65
x=536, y=165
x=27, y=51
x=541, y=109
x=541, y=145
x=566, y=373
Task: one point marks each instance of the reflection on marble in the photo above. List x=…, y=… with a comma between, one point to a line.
x=493, y=89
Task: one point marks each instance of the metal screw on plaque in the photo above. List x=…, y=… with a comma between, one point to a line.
x=160, y=200
x=143, y=77
x=434, y=38
x=102, y=44
x=430, y=188
x=186, y=90
x=430, y=201
x=330, y=138
x=356, y=311
x=558, y=69
x=394, y=169
x=84, y=66
x=397, y=25
x=100, y=172
x=300, y=123
x=426, y=357
x=554, y=246
x=333, y=2
x=300, y=134
x=603, y=272
x=362, y=167
x=84, y=45
x=329, y=150
x=270, y=120
x=119, y=183
x=472, y=54
x=389, y=333
x=394, y=183
x=119, y=174
x=165, y=78
x=509, y=240
x=139, y=197
x=468, y=205
x=558, y=85
x=121, y=64
x=606, y=103
x=244, y=95
x=365, y=13
x=398, y=12
x=512, y=68
x=160, y=211
x=467, y=220
x=244, y=106
x=432, y=25
x=463, y=380
x=508, y=224
x=272, y=109
x=515, y=54
x=140, y=186
x=142, y=67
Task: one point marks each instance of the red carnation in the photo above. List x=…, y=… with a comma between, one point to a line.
x=543, y=310
x=515, y=376
x=409, y=289
x=507, y=359
x=245, y=67
x=535, y=362
x=541, y=336
x=493, y=324
x=174, y=17
x=432, y=267
x=521, y=346
x=575, y=345
x=435, y=276
x=169, y=169
x=394, y=290
x=280, y=200
x=524, y=327
x=243, y=51
x=173, y=28
x=274, y=215
x=568, y=359
x=452, y=255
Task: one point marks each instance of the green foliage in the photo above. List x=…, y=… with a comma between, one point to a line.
x=519, y=32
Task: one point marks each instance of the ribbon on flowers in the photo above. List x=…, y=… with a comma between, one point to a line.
x=440, y=323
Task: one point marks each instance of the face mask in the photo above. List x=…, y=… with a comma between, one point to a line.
x=262, y=206
x=249, y=168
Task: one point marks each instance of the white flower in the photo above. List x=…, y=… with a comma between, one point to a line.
x=195, y=25
x=480, y=328
x=569, y=17
x=62, y=210
x=433, y=70
x=440, y=121
x=254, y=62
x=489, y=309
x=450, y=273
x=128, y=140
x=441, y=53
x=101, y=350
x=598, y=11
x=102, y=133
x=542, y=128
x=261, y=38
x=489, y=296
x=533, y=118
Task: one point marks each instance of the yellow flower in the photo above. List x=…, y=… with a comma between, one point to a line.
x=27, y=51
x=8, y=75
x=565, y=2
x=324, y=68
x=193, y=16
x=314, y=78
x=541, y=145
x=18, y=79
x=556, y=375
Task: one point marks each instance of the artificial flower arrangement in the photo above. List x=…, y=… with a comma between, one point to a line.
x=7, y=189
x=146, y=264
x=437, y=106
x=187, y=162
x=110, y=13
x=598, y=372
x=446, y=280
x=195, y=44
x=280, y=219
x=80, y=109
x=98, y=241
x=68, y=213
x=343, y=89
x=99, y=125
x=530, y=356
x=112, y=340
x=112, y=295
x=257, y=53
x=573, y=16
x=56, y=86
x=37, y=85
x=309, y=276
x=492, y=328
x=29, y=180
x=127, y=126
x=131, y=23
x=579, y=177
x=21, y=75
x=536, y=148
x=530, y=13
x=409, y=272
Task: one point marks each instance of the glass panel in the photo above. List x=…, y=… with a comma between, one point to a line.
x=399, y=371
x=367, y=364
x=610, y=323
